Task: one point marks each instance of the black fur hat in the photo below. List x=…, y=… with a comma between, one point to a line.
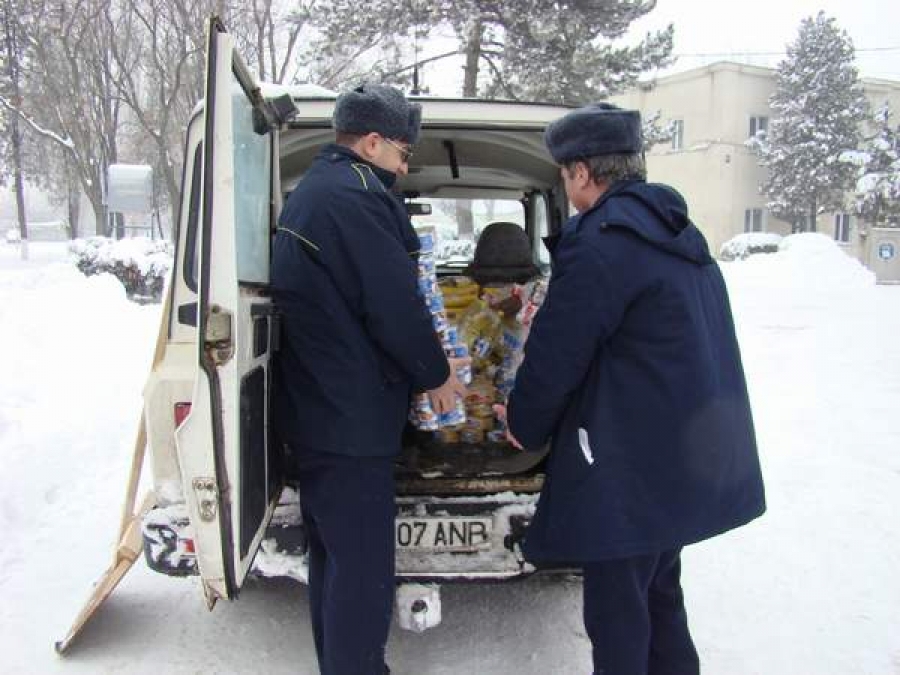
x=503, y=255
x=595, y=129
x=378, y=108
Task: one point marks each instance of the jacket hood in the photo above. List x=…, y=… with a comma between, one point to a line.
x=657, y=214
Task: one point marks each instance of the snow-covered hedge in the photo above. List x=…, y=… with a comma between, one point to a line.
x=141, y=264
x=747, y=244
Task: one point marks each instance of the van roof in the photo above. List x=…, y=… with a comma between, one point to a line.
x=316, y=105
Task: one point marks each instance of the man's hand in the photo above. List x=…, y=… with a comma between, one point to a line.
x=443, y=399
x=500, y=412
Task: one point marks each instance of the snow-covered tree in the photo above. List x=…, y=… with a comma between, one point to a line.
x=818, y=107
x=878, y=172
x=551, y=50
x=576, y=45
x=653, y=132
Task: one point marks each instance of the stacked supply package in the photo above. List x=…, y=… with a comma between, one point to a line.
x=496, y=340
x=422, y=415
x=473, y=321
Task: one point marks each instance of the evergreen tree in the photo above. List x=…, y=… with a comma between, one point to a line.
x=551, y=50
x=565, y=52
x=818, y=107
x=878, y=173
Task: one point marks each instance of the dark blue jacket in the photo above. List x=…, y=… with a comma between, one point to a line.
x=357, y=337
x=632, y=367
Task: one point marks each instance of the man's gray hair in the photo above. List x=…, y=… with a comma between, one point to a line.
x=611, y=168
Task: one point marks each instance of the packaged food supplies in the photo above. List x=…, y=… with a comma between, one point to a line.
x=533, y=297
x=458, y=292
x=479, y=328
x=448, y=435
x=472, y=435
x=421, y=413
x=427, y=239
x=423, y=416
x=454, y=350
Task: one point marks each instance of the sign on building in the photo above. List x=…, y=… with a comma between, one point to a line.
x=883, y=257
x=129, y=188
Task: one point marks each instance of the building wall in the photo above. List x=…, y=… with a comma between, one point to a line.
x=718, y=175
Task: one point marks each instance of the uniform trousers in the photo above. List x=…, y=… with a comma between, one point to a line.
x=635, y=617
x=348, y=513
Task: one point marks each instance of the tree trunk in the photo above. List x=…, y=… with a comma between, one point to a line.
x=12, y=68
x=170, y=180
x=19, y=180
x=100, y=214
x=473, y=56
x=73, y=199
x=812, y=216
x=464, y=218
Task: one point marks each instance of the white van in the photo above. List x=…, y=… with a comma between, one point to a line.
x=223, y=509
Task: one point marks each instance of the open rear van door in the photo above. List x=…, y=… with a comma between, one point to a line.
x=229, y=467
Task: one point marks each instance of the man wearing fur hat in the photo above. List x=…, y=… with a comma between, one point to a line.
x=357, y=341
x=632, y=367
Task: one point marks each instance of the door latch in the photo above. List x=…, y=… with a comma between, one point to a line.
x=218, y=339
x=207, y=497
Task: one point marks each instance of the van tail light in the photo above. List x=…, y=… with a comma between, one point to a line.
x=182, y=410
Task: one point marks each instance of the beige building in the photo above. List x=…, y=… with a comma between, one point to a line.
x=716, y=108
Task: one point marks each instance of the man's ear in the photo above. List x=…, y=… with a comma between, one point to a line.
x=582, y=174
x=367, y=145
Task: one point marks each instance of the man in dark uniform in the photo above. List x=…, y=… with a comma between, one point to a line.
x=358, y=340
x=632, y=367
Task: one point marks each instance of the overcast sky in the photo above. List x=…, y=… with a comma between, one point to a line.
x=737, y=31
x=729, y=28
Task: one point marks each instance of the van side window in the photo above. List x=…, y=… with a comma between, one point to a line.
x=253, y=192
x=191, y=269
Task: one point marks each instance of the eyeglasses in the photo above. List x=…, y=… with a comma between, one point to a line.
x=405, y=153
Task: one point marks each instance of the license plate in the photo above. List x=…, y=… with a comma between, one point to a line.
x=444, y=533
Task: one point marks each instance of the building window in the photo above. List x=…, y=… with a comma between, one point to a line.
x=758, y=123
x=842, y=227
x=753, y=220
x=677, y=134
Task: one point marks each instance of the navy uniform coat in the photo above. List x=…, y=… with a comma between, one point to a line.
x=632, y=366
x=357, y=337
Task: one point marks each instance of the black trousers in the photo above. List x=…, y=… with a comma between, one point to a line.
x=634, y=614
x=348, y=512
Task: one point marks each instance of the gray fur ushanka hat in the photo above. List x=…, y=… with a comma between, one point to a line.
x=596, y=129
x=378, y=108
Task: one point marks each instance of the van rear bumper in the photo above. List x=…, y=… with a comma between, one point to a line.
x=440, y=539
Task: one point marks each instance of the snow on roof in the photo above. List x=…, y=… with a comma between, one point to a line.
x=305, y=90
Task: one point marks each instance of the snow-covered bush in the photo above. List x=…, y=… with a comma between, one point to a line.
x=141, y=264
x=744, y=245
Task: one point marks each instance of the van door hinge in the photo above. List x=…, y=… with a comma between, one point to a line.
x=217, y=340
x=207, y=497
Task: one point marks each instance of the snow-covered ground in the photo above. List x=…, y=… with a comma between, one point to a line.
x=811, y=588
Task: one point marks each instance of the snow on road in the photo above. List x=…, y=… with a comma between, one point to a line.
x=812, y=587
